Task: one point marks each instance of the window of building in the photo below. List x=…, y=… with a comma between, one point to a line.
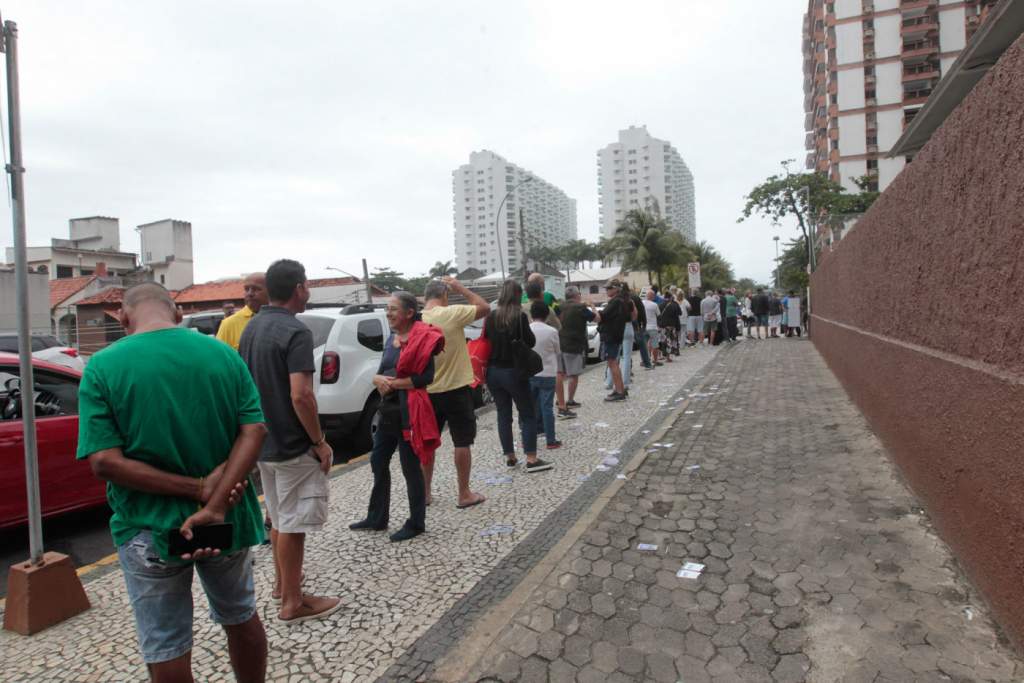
x=872, y=165
x=65, y=271
x=833, y=99
x=869, y=71
x=871, y=117
x=872, y=139
x=869, y=94
x=163, y=280
x=869, y=23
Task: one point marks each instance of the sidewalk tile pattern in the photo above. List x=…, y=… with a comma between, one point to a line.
x=820, y=565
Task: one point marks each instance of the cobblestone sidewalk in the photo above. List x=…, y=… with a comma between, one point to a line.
x=820, y=566
x=405, y=604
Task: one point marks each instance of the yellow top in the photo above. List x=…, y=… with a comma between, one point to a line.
x=230, y=331
x=452, y=368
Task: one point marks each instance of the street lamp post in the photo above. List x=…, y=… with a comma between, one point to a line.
x=498, y=218
x=777, y=283
x=345, y=272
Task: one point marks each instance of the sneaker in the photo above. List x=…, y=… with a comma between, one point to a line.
x=553, y=446
x=572, y=404
x=615, y=397
x=566, y=414
x=538, y=466
x=511, y=462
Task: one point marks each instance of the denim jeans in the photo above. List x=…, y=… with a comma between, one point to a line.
x=625, y=360
x=723, y=329
x=542, y=392
x=641, y=340
x=379, y=514
x=161, y=595
x=506, y=390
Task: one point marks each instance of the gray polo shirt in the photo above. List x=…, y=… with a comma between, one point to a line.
x=274, y=345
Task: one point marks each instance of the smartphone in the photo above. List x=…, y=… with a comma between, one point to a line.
x=216, y=536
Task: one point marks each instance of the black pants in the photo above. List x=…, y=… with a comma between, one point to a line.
x=384, y=447
x=734, y=329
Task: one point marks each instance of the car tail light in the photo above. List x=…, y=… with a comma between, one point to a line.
x=70, y=352
x=330, y=368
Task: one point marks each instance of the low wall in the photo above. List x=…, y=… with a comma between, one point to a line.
x=919, y=312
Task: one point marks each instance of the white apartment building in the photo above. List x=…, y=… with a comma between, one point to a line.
x=869, y=67
x=638, y=168
x=91, y=241
x=486, y=241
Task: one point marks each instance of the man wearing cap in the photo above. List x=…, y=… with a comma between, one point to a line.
x=617, y=313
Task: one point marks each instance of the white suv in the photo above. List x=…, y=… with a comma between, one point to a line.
x=348, y=343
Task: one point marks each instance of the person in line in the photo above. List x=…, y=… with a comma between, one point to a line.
x=774, y=314
x=723, y=327
x=228, y=307
x=549, y=298
x=709, y=314
x=617, y=313
x=784, y=307
x=731, y=306
x=573, y=342
x=542, y=385
x=694, y=323
x=625, y=359
x=651, y=312
x=748, y=314
x=658, y=299
x=296, y=459
x=794, y=313
x=450, y=393
x=759, y=307
x=163, y=459
x=504, y=325
x=643, y=342
x=406, y=422
x=535, y=292
x=255, y=289
x=671, y=323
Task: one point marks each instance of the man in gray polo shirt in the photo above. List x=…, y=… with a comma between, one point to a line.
x=296, y=459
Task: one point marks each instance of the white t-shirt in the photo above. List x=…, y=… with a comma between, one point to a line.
x=653, y=312
x=548, y=348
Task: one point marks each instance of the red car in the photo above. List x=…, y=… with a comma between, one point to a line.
x=65, y=484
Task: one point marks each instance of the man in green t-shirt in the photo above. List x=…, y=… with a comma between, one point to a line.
x=549, y=298
x=731, y=303
x=171, y=420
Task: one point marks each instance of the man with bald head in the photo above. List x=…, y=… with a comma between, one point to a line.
x=172, y=421
x=255, y=288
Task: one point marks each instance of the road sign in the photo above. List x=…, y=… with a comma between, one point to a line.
x=694, y=270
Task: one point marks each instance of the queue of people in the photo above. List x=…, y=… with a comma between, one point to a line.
x=779, y=317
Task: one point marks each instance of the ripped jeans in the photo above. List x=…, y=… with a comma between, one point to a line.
x=161, y=595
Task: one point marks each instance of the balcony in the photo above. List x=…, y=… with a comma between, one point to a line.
x=920, y=48
x=914, y=4
x=911, y=97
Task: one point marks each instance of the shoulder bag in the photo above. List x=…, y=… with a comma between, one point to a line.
x=525, y=360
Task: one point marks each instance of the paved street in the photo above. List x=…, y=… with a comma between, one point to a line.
x=820, y=566
x=405, y=604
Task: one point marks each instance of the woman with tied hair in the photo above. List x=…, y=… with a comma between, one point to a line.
x=748, y=315
x=504, y=325
x=406, y=418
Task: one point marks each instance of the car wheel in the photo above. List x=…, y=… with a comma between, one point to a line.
x=362, y=438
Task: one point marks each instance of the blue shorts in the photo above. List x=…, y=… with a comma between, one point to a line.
x=760, y=321
x=161, y=595
x=611, y=350
x=654, y=336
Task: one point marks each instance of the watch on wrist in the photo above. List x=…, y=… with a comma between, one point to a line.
x=322, y=441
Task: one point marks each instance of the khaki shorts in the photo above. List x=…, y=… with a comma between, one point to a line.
x=297, y=493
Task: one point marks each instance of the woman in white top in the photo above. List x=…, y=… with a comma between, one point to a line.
x=748, y=315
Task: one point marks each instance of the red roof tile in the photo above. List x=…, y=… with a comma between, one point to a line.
x=107, y=296
x=211, y=291
x=66, y=287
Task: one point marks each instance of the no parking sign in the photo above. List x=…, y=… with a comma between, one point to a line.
x=694, y=270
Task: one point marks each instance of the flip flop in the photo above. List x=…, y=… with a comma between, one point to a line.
x=479, y=499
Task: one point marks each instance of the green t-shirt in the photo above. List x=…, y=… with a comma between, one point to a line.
x=174, y=399
x=730, y=306
x=549, y=299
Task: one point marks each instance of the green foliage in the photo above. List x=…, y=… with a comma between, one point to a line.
x=793, y=267
x=417, y=284
x=715, y=271
x=388, y=279
x=441, y=269
x=645, y=242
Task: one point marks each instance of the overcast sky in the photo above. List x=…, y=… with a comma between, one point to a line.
x=328, y=131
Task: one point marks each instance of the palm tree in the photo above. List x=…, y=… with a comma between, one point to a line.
x=604, y=249
x=715, y=271
x=442, y=269
x=644, y=241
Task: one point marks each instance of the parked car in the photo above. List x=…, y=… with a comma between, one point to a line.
x=65, y=484
x=207, y=322
x=593, y=343
x=348, y=342
x=45, y=347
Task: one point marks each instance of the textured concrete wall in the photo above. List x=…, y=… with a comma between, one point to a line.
x=920, y=313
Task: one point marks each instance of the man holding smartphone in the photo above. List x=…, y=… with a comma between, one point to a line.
x=296, y=460
x=171, y=419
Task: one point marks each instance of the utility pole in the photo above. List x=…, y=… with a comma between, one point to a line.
x=366, y=279
x=522, y=246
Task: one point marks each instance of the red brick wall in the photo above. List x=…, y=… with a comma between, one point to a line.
x=919, y=311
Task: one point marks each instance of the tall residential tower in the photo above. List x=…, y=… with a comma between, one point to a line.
x=639, y=168
x=869, y=66
x=487, y=242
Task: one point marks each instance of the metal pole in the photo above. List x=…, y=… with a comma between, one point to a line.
x=15, y=169
x=497, y=229
x=366, y=279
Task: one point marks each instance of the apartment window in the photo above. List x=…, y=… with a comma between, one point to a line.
x=821, y=68
x=872, y=165
x=869, y=47
x=872, y=140
x=869, y=23
x=833, y=99
x=832, y=55
x=869, y=94
x=820, y=47
x=821, y=112
x=869, y=71
x=871, y=117
x=835, y=145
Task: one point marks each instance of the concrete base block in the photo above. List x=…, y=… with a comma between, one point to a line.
x=41, y=596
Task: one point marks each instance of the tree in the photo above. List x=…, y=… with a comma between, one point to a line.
x=793, y=267
x=442, y=269
x=417, y=284
x=803, y=195
x=715, y=271
x=575, y=253
x=604, y=250
x=644, y=241
x=385, y=278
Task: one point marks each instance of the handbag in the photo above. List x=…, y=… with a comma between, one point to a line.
x=479, y=356
x=390, y=411
x=525, y=360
